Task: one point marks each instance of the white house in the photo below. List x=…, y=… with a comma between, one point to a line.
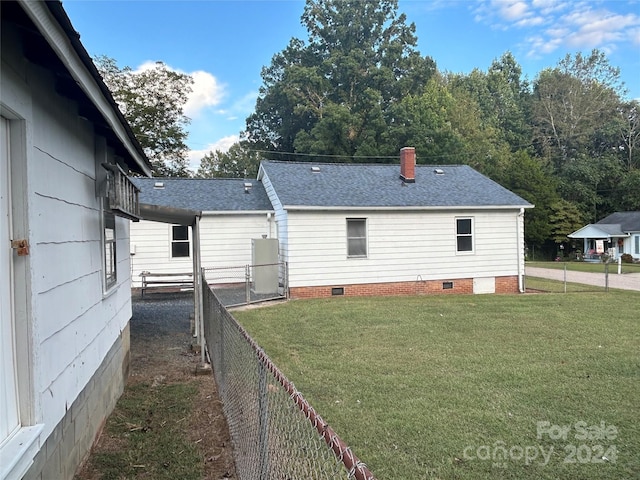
x=349, y=229
x=354, y=229
x=233, y=213
x=614, y=235
x=65, y=205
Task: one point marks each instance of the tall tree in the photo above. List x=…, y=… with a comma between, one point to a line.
x=572, y=101
x=152, y=101
x=238, y=162
x=333, y=95
x=509, y=100
x=629, y=131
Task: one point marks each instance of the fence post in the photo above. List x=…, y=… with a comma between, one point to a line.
x=247, y=283
x=263, y=422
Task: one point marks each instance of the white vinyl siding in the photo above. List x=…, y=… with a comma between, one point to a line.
x=402, y=246
x=225, y=241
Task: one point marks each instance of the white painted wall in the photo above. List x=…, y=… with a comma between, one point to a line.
x=402, y=246
x=225, y=241
x=67, y=323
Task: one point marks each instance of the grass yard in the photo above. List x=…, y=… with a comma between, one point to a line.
x=460, y=387
x=587, y=266
x=556, y=286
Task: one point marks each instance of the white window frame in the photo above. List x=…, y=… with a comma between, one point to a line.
x=109, y=250
x=470, y=235
x=173, y=241
x=636, y=244
x=357, y=238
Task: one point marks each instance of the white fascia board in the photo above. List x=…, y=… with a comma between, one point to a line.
x=237, y=212
x=409, y=208
x=59, y=42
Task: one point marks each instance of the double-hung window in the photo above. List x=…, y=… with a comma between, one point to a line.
x=179, y=241
x=636, y=245
x=109, y=241
x=464, y=235
x=357, y=237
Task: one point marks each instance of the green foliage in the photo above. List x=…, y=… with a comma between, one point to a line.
x=334, y=94
x=237, y=162
x=566, y=217
x=152, y=101
x=531, y=178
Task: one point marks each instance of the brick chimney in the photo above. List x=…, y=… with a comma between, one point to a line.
x=408, y=164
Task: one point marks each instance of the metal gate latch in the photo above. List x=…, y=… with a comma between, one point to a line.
x=22, y=246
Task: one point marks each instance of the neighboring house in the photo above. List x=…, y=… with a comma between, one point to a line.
x=233, y=213
x=354, y=229
x=613, y=235
x=348, y=229
x=65, y=292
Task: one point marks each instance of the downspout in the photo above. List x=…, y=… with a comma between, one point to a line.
x=268, y=224
x=520, y=252
x=197, y=284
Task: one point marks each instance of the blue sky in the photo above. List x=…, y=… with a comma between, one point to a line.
x=225, y=43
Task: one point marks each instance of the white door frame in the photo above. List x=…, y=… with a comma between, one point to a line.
x=10, y=413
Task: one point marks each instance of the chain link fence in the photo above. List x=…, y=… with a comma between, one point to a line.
x=276, y=434
x=245, y=284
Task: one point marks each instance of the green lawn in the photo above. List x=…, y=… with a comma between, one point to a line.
x=587, y=266
x=428, y=386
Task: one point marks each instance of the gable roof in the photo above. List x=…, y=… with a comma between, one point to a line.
x=628, y=221
x=204, y=194
x=594, y=230
x=379, y=186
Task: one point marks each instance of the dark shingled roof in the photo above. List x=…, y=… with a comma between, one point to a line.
x=628, y=221
x=360, y=185
x=204, y=194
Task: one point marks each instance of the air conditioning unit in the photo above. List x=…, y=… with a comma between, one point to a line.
x=122, y=194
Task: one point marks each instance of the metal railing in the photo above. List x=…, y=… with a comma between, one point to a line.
x=276, y=434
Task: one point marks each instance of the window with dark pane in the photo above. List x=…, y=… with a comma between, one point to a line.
x=464, y=235
x=179, y=241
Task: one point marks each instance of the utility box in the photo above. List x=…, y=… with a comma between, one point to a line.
x=264, y=258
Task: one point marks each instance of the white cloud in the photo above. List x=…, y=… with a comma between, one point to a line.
x=512, y=11
x=206, y=91
x=571, y=25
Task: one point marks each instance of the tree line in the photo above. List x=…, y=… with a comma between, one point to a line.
x=358, y=90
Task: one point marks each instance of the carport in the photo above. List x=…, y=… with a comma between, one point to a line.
x=187, y=218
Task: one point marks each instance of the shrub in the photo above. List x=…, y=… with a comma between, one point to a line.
x=626, y=258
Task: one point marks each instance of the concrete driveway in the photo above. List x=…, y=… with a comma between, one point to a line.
x=627, y=281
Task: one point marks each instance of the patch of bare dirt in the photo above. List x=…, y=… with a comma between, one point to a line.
x=163, y=351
